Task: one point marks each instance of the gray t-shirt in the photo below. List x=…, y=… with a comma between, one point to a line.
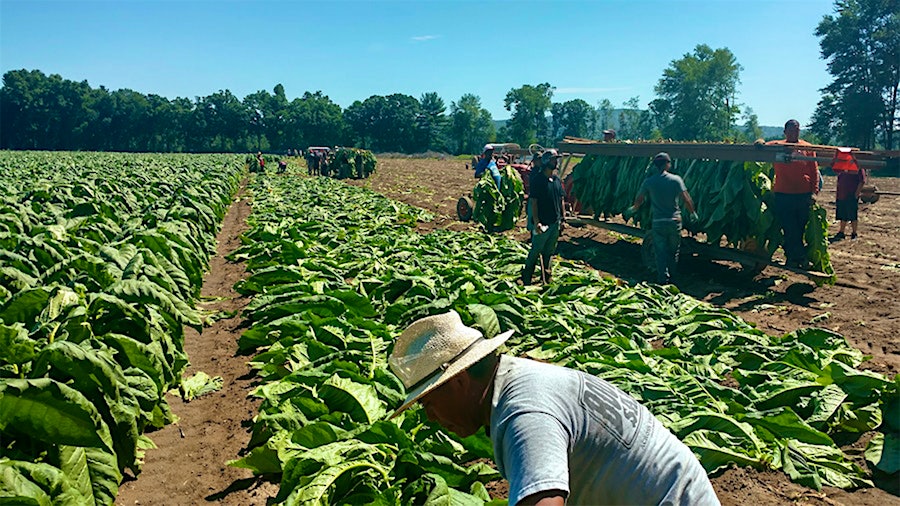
x=557, y=428
x=664, y=190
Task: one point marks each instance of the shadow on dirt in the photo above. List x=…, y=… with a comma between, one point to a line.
x=716, y=282
x=242, y=484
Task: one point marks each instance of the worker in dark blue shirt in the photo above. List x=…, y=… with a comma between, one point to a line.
x=487, y=163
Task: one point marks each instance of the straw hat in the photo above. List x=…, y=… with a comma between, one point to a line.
x=434, y=349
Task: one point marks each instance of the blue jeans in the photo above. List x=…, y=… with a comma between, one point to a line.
x=543, y=246
x=792, y=211
x=666, y=245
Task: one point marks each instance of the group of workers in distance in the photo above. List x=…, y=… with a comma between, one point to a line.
x=318, y=162
x=795, y=185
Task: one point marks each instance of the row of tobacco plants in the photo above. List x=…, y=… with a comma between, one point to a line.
x=101, y=260
x=338, y=272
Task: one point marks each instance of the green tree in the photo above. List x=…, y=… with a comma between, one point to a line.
x=225, y=120
x=697, y=95
x=432, y=122
x=316, y=120
x=573, y=118
x=604, y=117
x=752, y=130
x=529, y=106
x=43, y=112
x=634, y=122
x=471, y=125
x=861, y=43
x=385, y=123
x=260, y=112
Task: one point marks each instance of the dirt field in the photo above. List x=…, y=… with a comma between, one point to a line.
x=863, y=307
x=190, y=465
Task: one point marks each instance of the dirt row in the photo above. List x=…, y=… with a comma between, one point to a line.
x=189, y=465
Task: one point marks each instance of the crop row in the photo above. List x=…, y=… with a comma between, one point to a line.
x=101, y=259
x=338, y=272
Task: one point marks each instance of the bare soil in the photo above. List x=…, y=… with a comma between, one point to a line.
x=863, y=306
x=189, y=466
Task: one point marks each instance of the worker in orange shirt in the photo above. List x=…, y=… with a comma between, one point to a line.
x=795, y=185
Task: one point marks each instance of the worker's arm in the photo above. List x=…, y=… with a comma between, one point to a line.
x=688, y=202
x=638, y=202
x=532, y=201
x=862, y=181
x=545, y=498
x=562, y=207
x=812, y=171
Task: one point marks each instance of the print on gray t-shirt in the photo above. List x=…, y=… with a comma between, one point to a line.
x=664, y=190
x=557, y=428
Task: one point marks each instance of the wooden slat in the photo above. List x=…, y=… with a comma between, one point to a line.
x=713, y=151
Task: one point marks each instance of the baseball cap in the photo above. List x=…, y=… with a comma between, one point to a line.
x=488, y=147
x=662, y=156
x=548, y=155
x=610, y=131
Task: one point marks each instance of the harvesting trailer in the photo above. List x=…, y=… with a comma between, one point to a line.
x=752, y=257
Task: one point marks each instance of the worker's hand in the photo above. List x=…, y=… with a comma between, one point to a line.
x=629, y=213
x=695, y=218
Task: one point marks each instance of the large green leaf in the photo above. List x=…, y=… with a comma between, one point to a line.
x=143, y=292
x=51, y=412
x=16, y=489
x=883, y=452
x=15, y=345
x=358, y=400
x=25, y=306
x=486, y=319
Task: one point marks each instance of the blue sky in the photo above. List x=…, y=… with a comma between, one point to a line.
x=350, y=50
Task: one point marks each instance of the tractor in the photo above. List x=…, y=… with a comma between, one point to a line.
x=521, y=160
x=508, y=153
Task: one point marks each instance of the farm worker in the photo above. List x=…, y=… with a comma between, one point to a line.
x=609, y=135
x=559, y=435
x=545, y=202
x=849, y=186
x=795, y=184
x=486, y=162
x=324, y=164
x=664, y=190
x=261, y=161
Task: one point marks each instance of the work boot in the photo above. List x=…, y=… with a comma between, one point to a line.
x=853, y=236
x=838, y=236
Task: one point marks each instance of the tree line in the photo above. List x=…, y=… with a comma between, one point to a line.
x=696, y=99
x=39, y=111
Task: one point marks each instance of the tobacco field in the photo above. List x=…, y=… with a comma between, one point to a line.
x=102, y=257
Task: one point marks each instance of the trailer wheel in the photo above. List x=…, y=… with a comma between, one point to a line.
x=869, y=198
x=464, y=207
x=753, y=268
